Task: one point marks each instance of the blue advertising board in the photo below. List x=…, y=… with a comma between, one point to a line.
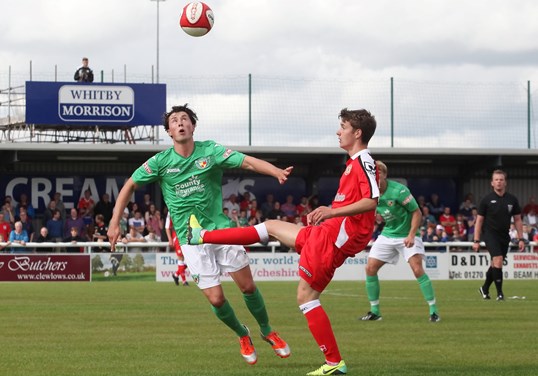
x=107, y=104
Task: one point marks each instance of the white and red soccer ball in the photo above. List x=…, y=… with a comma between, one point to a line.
x=196, y=19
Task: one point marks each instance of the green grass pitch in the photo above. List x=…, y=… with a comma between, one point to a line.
x=147, y=328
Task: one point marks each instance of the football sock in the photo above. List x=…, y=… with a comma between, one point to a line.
x=181, y=271
x=256, y=306
x=226, y=314
x=497, y=275
x=489, y=279
x=235, y=235
x=320, y=327
x=372, y=290
x=426, y=287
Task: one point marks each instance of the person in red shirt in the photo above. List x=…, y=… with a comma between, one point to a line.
x=447, y=220
x=333, y=233
x=5, y=227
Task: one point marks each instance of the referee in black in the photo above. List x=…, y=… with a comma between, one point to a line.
x=495, y=212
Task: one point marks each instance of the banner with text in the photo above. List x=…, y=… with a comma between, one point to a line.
x=110, y=104
x=45, y=268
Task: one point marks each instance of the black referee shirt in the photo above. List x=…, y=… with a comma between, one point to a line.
x=498, y=211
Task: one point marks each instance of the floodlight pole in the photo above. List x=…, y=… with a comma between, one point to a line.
x=157, y=65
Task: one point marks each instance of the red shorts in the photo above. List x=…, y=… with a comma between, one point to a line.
x=319, y=256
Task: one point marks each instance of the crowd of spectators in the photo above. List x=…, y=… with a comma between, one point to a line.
x=144, y=221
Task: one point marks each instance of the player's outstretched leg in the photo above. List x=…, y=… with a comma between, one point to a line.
x=426, y=287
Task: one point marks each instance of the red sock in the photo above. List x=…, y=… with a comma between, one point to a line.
x=181, y=272
x=321, y=329
x=237, y=235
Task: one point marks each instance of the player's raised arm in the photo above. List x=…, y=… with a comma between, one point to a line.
x=121, y=203
x=263, y=167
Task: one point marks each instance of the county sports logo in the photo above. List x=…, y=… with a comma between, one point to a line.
x=431, y=262
x=348, y=170
x=202, y=163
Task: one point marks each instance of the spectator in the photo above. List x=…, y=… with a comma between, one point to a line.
x=276, y=212
x=74, y=238
x=461, y=226
x=60, y=205
x=74, y=220
x=466, y=207
x=435, y=205
x=146, y=203
x=138, y=222
x=133, y=236
x=100, y=233
x=512, y=232
x=152, y=237
x=447, y=220
x=154, y=220
x=252, y=209
x=243, y=220
x=18, y=236
x=27, y=224
x=5, y=226
x=234, y=219
x=84, y=73
x=25, y=203
x=268, y=205
x=3, y=240
x=428, y=219
x=289, y=209
x=55, y=226
x=86, y=206
x=44, y=237
x=49, y=212
x=530, y=205
x=124, y=222
x=471, y=221
x=104, y=207
x=7, y=209
x=430, y=236
x=530, y=218
x=245, y=203
x=232, y=204
x=421, y=201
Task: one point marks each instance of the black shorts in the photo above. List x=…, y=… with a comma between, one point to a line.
x=497, y=245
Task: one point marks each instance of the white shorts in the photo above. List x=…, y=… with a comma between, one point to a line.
x=389, y=249
x=207, y=262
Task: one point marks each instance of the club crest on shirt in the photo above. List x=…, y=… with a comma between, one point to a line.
x=196, y=278
x=390, y=203
x=202, y=163
x=510, y=207
x=348, y=170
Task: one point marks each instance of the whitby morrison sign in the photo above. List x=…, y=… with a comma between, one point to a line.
x=67, y=103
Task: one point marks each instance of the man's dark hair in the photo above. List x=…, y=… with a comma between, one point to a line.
x=360, y=119
x=184, y=108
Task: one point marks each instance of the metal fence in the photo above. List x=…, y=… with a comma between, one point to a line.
x=290, y=111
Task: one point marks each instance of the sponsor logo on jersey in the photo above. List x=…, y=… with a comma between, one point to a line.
x=348, y=170
x=407, y=200
x=227, y=153
x=173, y=170
x=202, y=163
x=339, y=197
x=147, y=168
x=189, y=187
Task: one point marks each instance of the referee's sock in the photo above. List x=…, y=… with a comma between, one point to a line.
x=489, y=279
x=497, y=274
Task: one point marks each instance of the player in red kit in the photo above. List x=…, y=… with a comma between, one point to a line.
x=174, y=243
x=332, y=235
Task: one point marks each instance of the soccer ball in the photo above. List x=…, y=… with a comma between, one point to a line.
x=107, y=273
x=196, y=19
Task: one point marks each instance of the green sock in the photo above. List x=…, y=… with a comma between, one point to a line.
x=226, y=314
x=256, y=306
x=372, y=290
x=427, y=291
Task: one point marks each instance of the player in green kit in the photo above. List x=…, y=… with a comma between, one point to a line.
x=190, y=175
x=402, y=217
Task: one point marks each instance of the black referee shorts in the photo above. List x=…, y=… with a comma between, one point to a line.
x=497, y=245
